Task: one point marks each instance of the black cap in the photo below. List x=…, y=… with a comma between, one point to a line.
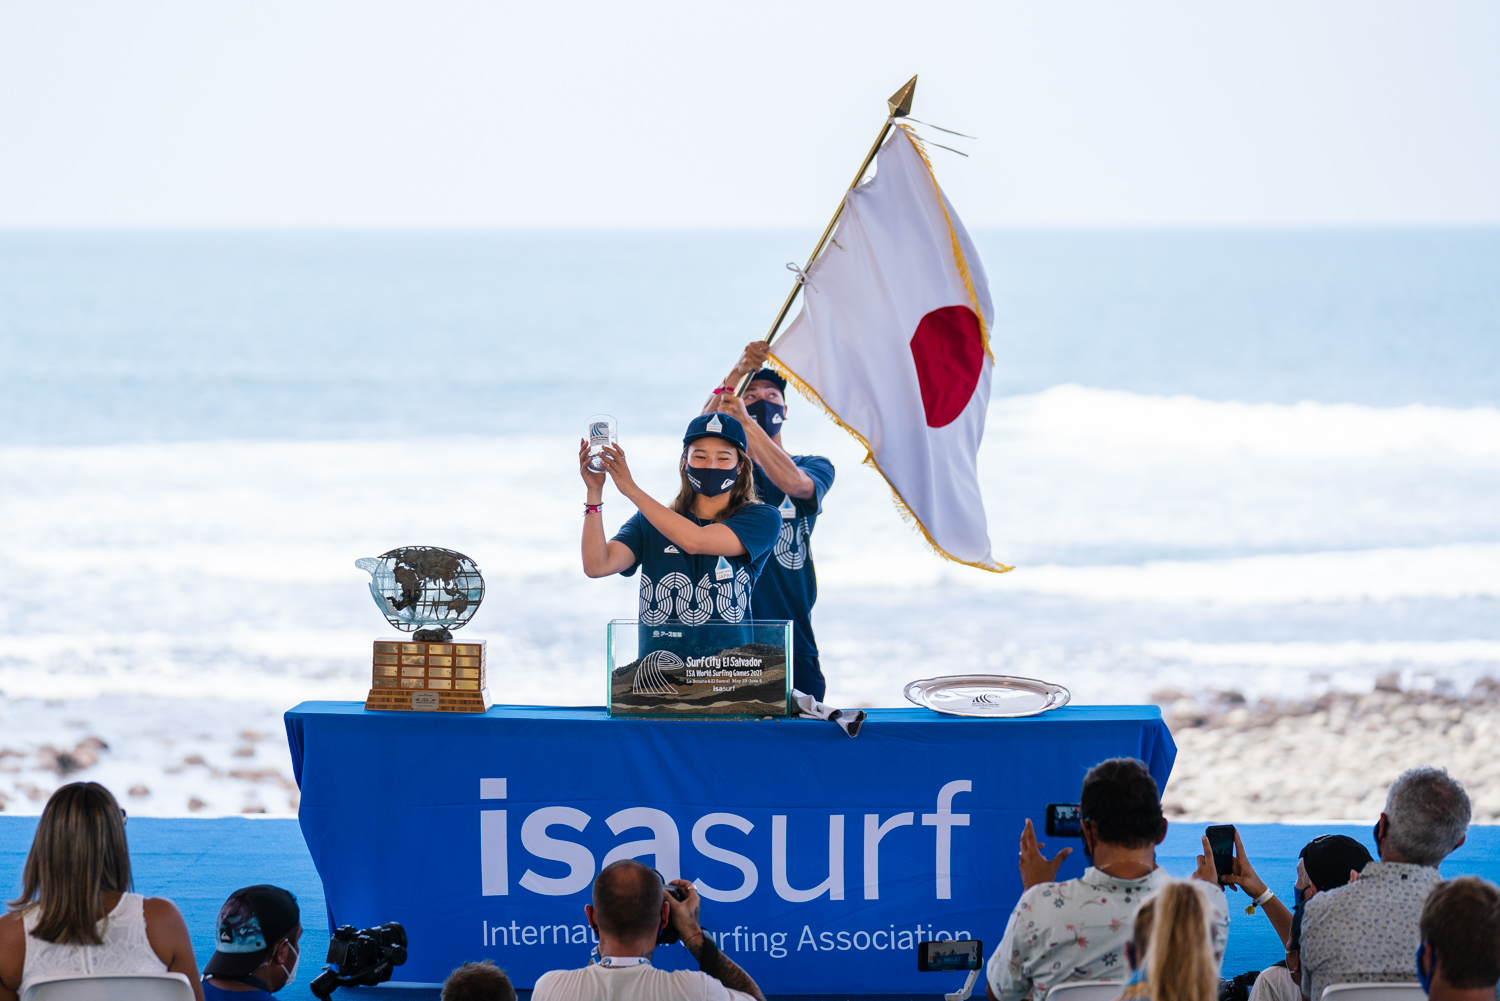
x=251, y=921
x=770, y=375
x=716, y=425
x=1329, y=858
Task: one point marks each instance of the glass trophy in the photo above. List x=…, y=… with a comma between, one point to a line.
x=717, y=669
x=602, y=430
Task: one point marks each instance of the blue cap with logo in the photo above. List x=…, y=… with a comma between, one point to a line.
x=251, y=921
x=716, y=425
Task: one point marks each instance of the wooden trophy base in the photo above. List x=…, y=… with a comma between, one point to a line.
x=428, y=677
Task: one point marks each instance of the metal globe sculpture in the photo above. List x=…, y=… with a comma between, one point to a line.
x=425, y=590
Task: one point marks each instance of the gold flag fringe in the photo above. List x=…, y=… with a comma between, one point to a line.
x=907, y=514
x=958, y=250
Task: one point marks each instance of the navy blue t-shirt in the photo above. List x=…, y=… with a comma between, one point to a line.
x=213, y=992
x=681, y=587
x=789, y=586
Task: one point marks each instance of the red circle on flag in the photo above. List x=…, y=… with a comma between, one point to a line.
x=949, y=357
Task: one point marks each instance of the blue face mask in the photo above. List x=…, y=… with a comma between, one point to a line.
x=1294, y=939
x=768, y=415
x=1424, y=977
x=710, y=482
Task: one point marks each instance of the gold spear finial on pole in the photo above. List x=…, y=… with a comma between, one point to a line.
x=899, y=104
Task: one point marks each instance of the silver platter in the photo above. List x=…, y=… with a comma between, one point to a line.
x=987, y=695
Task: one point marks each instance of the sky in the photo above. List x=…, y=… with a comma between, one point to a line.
x=600, y=115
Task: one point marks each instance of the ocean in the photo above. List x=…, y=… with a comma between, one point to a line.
x=1264, y=462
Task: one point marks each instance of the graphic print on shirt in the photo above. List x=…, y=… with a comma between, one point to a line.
x=676, y=597
x=793, y=544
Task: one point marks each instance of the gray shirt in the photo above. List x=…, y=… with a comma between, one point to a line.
x=1366, y=931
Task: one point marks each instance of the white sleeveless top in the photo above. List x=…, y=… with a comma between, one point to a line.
x=125, y=948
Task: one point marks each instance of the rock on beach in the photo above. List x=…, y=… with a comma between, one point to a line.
x=1329, y=758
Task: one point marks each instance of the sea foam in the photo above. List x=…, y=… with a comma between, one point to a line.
x=1158, y=542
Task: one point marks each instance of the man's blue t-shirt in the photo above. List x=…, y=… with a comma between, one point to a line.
x=789, y=586
x=681, y=587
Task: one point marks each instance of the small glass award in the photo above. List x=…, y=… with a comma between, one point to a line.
x=716, y=669
x=602, y=431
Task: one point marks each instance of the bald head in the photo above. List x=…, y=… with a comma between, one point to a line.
x=627, y=900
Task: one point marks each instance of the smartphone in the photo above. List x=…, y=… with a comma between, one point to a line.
x=1064, y=820
x=965, y=954
x=1221, y=843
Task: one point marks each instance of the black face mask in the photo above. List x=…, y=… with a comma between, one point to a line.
x=710, y=482
x=768, y=415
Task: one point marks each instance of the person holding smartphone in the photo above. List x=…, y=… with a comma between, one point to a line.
x=1077, y=929
x=1327, y=862
x=700, y=556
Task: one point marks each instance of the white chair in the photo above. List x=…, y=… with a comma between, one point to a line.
x=135, y=987
x=1374, y=992
x=1086, y=990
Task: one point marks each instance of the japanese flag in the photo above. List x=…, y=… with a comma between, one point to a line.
x=893, y=341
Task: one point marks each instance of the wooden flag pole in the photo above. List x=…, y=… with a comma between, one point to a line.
x=899, y=104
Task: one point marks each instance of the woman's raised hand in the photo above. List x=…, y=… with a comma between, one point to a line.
x=613, y=457
x=594, y=481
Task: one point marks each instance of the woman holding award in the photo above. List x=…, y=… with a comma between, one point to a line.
x=699, y=558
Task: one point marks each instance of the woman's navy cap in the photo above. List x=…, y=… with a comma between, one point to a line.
x=716, y=425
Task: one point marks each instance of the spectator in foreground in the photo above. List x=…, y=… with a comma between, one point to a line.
x=1459, y=959
x=1327, y=862
x=1078, y=929
x=630, y=907
x=1171, y=951
x=256, y=945
x=1368, y=931
x=1137, y=988
x=76, y=913
x=478, y=982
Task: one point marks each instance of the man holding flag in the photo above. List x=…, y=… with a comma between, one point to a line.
x=794, y=485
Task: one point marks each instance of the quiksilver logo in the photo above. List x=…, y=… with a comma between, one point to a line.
x=775, y=418
x=671, y=549
x=727, y=484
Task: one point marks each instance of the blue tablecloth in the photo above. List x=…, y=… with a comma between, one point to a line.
x=823, y=859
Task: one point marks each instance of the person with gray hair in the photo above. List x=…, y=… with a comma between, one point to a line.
x=1368, y=930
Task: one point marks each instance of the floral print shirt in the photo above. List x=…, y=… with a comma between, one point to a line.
x=1366, y=931
x=1077, y=930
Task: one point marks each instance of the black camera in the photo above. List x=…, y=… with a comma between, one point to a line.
x=668, y=934
x=365, y=957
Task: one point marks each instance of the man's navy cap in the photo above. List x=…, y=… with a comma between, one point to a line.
x=770, y=375
x=1329, y=858
x=251, y=921
x=716, y=425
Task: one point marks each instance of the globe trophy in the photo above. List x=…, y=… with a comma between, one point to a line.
x=427, y=592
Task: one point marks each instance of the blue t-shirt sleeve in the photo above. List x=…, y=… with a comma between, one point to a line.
x=757, y=526
x=633, y=534
x=820, y=471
